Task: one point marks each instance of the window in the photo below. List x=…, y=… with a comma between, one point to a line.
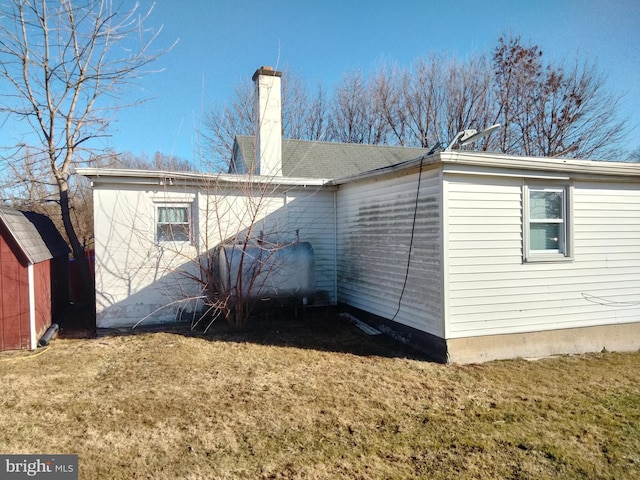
x=546, y=223
x=173, y=223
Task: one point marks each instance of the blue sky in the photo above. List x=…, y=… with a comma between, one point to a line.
x=221, y=43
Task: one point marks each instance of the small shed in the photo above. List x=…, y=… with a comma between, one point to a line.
x=34, y=284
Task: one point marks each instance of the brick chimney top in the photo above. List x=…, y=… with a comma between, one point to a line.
x=267, y=71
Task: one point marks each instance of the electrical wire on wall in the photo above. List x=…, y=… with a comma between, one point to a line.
x=413, y=230
x=607, y=302
x=464, y=137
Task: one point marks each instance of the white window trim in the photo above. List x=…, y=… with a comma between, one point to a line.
x=534, y=256
x=172, y=204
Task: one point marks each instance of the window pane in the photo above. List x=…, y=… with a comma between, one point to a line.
x=546, y=236
x=173, y=233
x=545, y=205
x=172, y=215
x=173, y=224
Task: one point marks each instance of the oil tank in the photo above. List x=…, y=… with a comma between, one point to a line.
x=282, y=273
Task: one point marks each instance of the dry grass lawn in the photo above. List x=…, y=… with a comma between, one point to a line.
x=319, y=400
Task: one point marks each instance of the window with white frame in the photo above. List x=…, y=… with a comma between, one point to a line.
x=547, y=229
x=173, y=223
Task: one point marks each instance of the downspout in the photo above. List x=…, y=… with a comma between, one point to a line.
x=33, y=342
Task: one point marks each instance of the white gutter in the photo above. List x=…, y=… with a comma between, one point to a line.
x=563, y=165
x=164, y=178
x=454, y=161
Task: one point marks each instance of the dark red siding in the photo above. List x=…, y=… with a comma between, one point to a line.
x=14, y=297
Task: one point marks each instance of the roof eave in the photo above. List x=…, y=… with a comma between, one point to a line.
x=553, y=165
x=397, y=167
x=163, y=178
x=485, y=160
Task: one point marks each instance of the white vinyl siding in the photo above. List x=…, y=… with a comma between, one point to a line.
x=375, y=221
x=307, y=214
x=136, y=275
x=312, y=214
x=491, y=291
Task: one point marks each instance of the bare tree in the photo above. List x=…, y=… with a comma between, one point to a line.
x=545, y=108
x=468, y=100
x=159, y=161
x=357, y=113
x=61, y=65
x=576, y=116
x=303, y=111
x=25, y=181
x=315, y=125
x=634, y=155
x=552, y=110
x=421, y=103
x=429, y=103
x=27, y=185
x=222, y=124
x=304, y=117
x=516, y=72
x=389, y=92
x=240, y=258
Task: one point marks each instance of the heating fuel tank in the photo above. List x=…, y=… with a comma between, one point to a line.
x=258, y=271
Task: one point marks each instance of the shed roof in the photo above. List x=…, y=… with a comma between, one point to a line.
x=307, y=159
x=35, y=234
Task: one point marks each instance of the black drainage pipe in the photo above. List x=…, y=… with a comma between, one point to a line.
x=48, y=335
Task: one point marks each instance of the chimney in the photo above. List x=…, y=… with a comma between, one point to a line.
x=268, y=108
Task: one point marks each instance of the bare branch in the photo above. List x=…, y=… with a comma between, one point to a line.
x=59, y=63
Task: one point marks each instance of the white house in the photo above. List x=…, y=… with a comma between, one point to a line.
x=484, y=256
x=154, y=229
x=469, y=256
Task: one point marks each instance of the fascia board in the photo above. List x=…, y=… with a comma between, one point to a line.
x=153, y=177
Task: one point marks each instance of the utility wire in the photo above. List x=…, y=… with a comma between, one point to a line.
x=413, y=230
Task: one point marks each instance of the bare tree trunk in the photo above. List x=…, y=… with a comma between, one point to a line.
x=57, y=60
x=79, y=254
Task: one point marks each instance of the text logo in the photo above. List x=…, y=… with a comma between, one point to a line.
x=50, y=467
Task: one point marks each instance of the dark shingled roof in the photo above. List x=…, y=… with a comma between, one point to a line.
x=306, y=159
x=35, y=234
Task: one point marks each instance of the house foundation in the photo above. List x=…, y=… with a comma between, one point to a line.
x=570, y=341
x=619, y=338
